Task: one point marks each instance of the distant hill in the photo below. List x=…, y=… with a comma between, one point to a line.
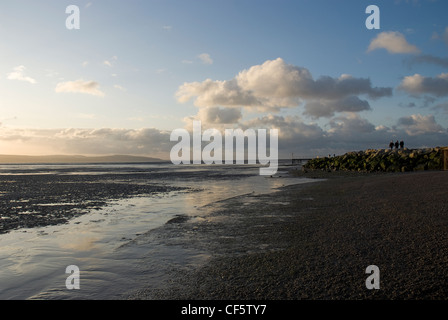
x=76, y=159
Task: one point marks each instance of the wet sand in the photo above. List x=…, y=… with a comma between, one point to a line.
x=29, y=201
x=315, y=241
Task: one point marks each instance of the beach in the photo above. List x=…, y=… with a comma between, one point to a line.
x=116, y=222
x=158, y=232
x=315, y=241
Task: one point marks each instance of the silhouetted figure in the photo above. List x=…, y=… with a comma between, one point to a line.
x=401, y=144
x=396, y=144
x=391, y=145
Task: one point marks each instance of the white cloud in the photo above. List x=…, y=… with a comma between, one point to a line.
x=346, y=132
x=327, y=108
x=117, y=86
x=418, y=124
x=110, y=62
x=216, y=115
x=291, y=128
x=144, y=141
x=205, y=58
x=213, y=93
x=418, y=85
x=274, y=85
x=349, y=132
x=19, y=74
x=80, y=86
x=350, y=124
x=394, y=42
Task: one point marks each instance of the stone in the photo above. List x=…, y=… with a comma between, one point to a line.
x=382, y=160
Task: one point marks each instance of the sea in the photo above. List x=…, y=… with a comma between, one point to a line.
x=104, y=245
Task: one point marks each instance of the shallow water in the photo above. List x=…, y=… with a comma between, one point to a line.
x=103, y=243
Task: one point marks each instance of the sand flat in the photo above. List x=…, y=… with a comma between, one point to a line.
x=315, y=241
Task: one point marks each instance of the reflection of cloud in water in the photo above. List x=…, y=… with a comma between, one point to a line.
x=30, y=260
x=215, y=191
x=79, y=242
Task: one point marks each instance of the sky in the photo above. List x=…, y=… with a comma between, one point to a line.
x=136, y=70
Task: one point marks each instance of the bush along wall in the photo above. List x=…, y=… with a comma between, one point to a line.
x=383, y=160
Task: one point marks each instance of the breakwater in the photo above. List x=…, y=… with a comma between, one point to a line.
x=385, y=160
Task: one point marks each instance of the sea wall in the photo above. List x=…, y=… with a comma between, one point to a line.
x=384, y=160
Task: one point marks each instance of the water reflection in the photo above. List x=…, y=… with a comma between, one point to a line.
x=33, y=261
x=83, y=242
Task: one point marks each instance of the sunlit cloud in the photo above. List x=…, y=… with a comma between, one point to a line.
x=80, y=86
x=205, y=58
x=418, y=124
x=110, y=62
x=420, y=85
x=392, y=41
x=346, y=132
x=145, y=141
x=117, y=86
x=275, y=84
x=19, y=74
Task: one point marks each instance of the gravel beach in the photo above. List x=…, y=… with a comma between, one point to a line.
x=315, y=241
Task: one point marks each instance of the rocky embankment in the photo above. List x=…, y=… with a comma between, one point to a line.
x=383, y=160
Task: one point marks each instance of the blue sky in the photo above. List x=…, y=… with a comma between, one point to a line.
x=136, y=70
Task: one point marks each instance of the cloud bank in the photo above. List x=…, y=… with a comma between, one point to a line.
x=343, y=133
x=144, y=141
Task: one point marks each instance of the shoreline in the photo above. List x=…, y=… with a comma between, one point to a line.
x=31, y=201
x=128, y=233
x=315, y=241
